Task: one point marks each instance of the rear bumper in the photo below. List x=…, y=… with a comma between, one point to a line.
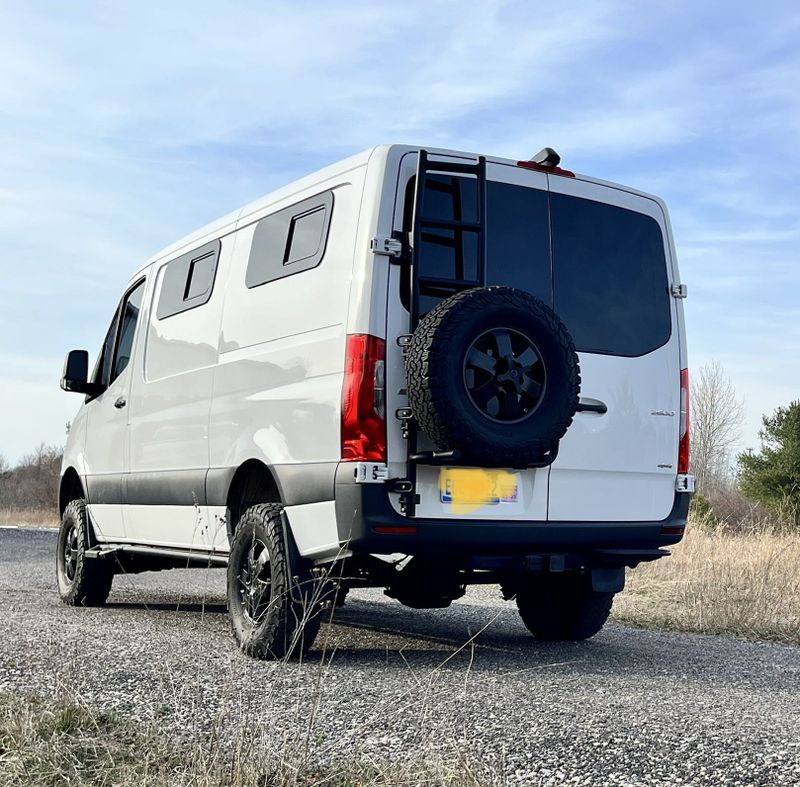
x=368, y=524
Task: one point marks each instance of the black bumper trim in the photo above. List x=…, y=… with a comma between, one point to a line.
x=360, y=508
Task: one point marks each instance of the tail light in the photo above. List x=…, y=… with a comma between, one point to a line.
x=683, y=445
x=364, y=400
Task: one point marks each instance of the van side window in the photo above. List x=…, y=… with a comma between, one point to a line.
x=188, y=280
x=609, y=277
x=290, y=241
x=129, y=318
x=103, y=365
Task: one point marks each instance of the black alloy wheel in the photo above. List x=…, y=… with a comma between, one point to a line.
x=255, y=582
x=504, y=375
x=71, y=553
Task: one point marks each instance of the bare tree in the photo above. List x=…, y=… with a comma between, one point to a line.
x=716, y=420
x=32, y=484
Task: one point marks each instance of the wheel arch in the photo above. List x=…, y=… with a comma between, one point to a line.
x=70, y=488
x=253, y=482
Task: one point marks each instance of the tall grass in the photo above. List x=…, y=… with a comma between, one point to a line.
x=62, y=741
x=719, y=580
x=29, y=517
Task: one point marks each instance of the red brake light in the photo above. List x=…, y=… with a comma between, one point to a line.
x=549, y=170
x=363, y=400
x=683, y=445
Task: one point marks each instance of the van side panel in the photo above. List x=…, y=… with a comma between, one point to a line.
x=169, y=408
x=278, y=385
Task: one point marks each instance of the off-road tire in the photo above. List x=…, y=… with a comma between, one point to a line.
x=438, y=396
x=288, y=627
x=563, y=608
x=82, y=581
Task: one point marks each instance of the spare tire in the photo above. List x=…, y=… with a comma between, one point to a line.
x=492, y=374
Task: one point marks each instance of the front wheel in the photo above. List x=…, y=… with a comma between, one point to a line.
x=82, y=581
x=273, y=616
x=563, y=608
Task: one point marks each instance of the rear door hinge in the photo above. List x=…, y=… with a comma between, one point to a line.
x=679, y=290
x=370, y=472
x=389, y=247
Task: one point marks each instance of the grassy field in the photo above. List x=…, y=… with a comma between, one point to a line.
x=28, y=517
x=718, y=582
x=45, y=743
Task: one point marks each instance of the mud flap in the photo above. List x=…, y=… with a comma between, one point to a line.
x=608, y=580
x=307, y=587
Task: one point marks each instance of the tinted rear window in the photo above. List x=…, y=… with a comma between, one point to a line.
x=518, y=245
x=609, y=277
x=602, y=268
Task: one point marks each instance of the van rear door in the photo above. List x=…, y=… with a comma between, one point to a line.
x=611, y=287
x=517, y=255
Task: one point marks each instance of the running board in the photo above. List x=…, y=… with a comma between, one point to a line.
x=179, y=558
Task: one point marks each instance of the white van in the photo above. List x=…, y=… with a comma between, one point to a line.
x=416, y=369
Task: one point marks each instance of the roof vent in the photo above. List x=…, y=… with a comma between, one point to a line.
x=546, y=157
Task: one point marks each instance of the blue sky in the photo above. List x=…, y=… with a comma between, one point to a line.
x=124, y=126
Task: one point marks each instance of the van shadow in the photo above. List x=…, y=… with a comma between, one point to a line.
x=490, y=639
x=487, y=639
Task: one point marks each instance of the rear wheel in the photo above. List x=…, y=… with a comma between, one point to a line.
x=563, y=608
x=273, y=616
x=81, y=581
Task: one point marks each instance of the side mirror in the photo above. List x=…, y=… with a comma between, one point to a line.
x=76, y=374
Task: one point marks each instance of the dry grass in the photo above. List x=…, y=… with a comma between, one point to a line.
x=29, y=517
x=720, y=582
x=55, y=742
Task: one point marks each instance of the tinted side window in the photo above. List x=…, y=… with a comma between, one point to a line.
x=103, y=365
x=290, y=241
x=610, y=277
x=129, y=318
x=188, y=280
x=305, y=235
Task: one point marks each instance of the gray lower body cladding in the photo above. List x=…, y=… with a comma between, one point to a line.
x=297, y=484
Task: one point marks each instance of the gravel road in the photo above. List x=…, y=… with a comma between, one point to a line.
x=628, y=707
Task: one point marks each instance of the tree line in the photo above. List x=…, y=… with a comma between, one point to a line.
x=742, y=488
x=33, y=482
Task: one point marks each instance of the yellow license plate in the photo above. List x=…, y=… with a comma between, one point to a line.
x=468, y=488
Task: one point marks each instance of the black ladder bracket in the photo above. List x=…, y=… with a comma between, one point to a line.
x=425, y=230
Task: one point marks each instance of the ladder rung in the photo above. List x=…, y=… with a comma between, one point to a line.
x=441, y=281
x=452, y=166
x=450, y=224
x=441, y=240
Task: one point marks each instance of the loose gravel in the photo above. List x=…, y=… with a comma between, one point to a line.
x=629, y=707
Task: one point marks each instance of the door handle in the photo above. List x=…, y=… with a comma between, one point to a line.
x=120, y=403
x=592, y=406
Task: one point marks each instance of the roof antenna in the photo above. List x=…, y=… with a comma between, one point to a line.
x=547, y=157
